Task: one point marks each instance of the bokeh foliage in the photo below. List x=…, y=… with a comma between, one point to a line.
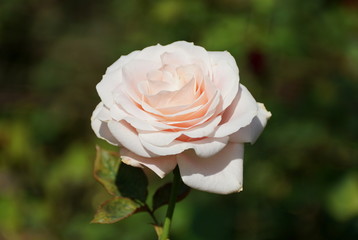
x=298, y=57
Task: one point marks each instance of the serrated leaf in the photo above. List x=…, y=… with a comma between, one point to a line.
x=105, y=169
x=115, y=210
x=161, y=196
x=132, y=182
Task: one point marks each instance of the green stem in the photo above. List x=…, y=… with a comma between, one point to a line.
x=171, y=205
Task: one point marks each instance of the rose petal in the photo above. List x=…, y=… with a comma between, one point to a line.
x=227, y=81
x=184, y=96
x=153, y=53
x=187, y=48
x=127, y=108
x=159, y=138
x=112, y=78
x=128, y=137
x=197, y=55
x=203, y=148
x=188, y=120
x=204, y=129
x=106, y=86
x=221, y=173
x=211, y=93
x=174, y=58
x=160, y=165
x=251, y=132
x=122, y=61
x=191, y=120
x=178, y=111
x=218, y=57
x=239, y=114
x=137, y=71
x=225, y=75
x=99, y=125
x=209, y=146
x=101, y=112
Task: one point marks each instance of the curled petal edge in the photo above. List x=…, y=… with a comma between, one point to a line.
x=251, y=132
x=159, y=165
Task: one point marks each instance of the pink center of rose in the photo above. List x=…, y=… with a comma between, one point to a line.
x=178, y=93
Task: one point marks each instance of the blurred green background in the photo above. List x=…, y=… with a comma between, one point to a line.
x=298, y=57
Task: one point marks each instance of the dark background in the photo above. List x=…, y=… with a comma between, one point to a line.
x=298, y=57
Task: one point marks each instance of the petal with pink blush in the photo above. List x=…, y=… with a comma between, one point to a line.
x=181, y=97
x=144, y=122
x=251, y=132
x=160, y=165
x=146, y=125
x=128, y=137
x=190, y=71
x=220, y=173
x=176, y=112
x=130, y=107
x=203, y=114
x=159, y=138
x=204, y=129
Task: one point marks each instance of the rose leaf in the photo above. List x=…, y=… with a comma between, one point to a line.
x=115, y=210
x=105, y=169
x=132, y=182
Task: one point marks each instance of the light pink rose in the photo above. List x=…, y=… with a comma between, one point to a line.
x=180, y=105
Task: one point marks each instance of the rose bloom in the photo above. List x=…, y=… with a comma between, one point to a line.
x=180, y=105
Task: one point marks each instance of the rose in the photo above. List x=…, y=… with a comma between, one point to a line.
x=180, y=105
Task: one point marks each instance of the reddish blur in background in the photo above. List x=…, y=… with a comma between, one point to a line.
x=298, y=57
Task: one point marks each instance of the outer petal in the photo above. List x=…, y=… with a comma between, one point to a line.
x=225, y=75
x=160, y=138
x=153, y=53
x=203, y=148
x=221, y=173
x=121, y=61
x=160, y=165
x=239, y=114
x=112, y=78
x=219, y=56
x=251, y=132
x=107, y=85
x=128, y=137
x=99, y=120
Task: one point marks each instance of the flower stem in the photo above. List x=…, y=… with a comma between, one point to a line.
x=171, y=205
